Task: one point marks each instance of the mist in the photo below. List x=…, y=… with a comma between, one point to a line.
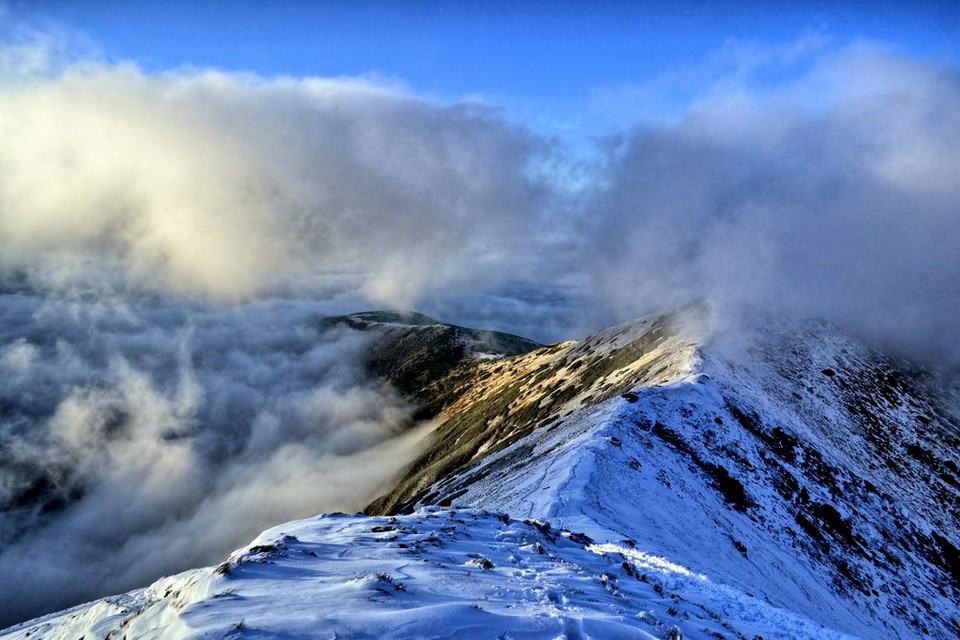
x=836, y=197
x=170, y=244
x=149, y=436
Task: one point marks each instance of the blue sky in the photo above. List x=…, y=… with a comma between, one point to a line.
x=555, y=64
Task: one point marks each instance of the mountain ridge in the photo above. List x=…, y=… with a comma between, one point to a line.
x=854, y=495
x=411, y=351
x=805, y=488
x=484, y=407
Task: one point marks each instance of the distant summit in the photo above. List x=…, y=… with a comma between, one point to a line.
x=365, y=319
x=413, y=351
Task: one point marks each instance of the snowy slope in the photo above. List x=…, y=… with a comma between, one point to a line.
x=635, y=484
x=816, y=476
x=486, y=405
x=436, y=573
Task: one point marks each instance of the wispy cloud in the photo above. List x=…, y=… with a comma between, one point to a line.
x=837, y=197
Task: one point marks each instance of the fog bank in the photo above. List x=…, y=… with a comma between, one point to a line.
x=149, y=437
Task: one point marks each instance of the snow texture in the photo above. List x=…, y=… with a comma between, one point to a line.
x=437, y=573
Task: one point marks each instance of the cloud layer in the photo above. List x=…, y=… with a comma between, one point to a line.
x=150, y=437
x=221, y=184
x=832, y=192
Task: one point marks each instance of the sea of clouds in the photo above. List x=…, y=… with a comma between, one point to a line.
x=170, y=244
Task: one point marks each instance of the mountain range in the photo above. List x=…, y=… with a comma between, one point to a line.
x=657, y=479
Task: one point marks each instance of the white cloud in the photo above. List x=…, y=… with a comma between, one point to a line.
x=220, y=184
x=156, y=440
x=837, y=197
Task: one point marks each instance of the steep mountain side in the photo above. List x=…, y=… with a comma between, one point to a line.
x=812, y=471
x=490, y=404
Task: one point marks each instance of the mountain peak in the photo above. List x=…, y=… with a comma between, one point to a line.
x=813, y=469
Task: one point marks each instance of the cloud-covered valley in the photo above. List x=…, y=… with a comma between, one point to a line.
x=143, y=437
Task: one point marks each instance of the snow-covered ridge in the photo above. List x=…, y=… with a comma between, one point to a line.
x=814, y=471
x=436, y=573
x=489, y=404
